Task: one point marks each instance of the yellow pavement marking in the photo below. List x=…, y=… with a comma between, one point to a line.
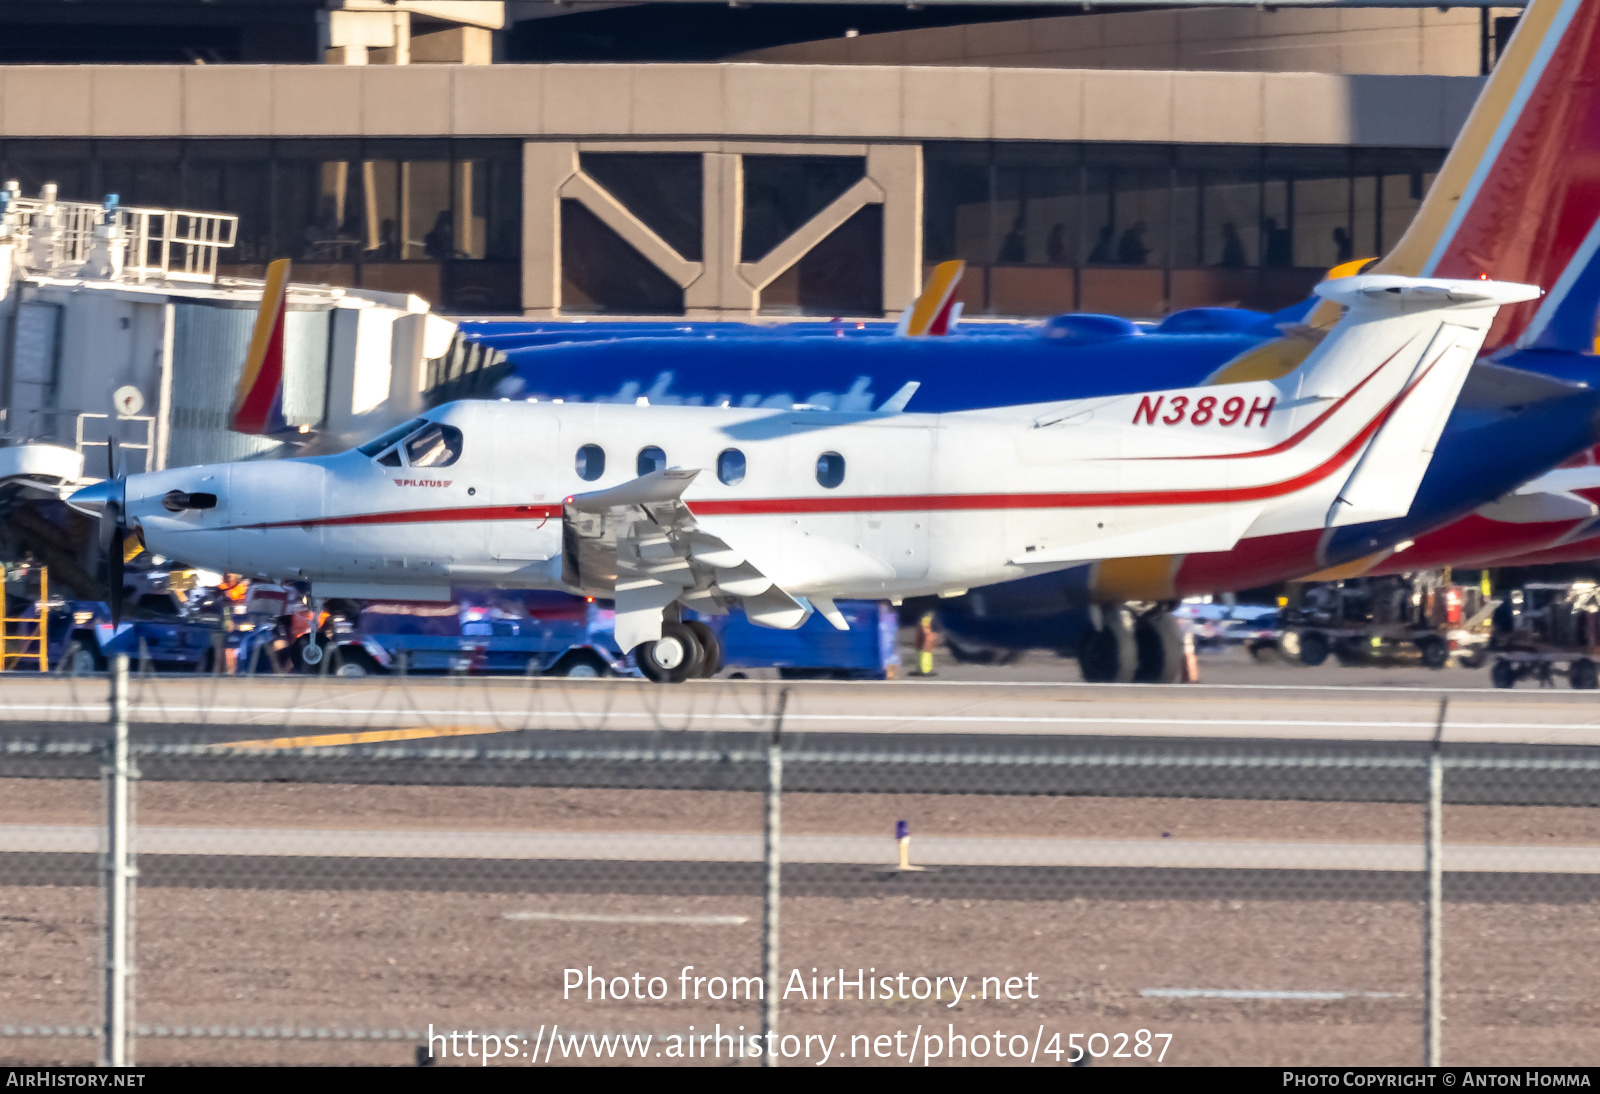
x=367, y=737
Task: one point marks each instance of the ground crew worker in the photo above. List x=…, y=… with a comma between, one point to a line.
x=927, y=639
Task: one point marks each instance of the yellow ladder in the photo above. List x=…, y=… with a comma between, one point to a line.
x=25, y=638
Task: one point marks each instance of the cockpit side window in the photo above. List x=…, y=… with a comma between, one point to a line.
x=437, y=446
x=390, y=458
x=390, y=436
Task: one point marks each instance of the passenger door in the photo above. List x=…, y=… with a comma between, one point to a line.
x=524, y=478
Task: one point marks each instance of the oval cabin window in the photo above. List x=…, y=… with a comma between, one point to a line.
x=830, y=469
x=651, y=459
x=591, y=462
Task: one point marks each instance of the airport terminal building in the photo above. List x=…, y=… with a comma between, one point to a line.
x=1230, y=157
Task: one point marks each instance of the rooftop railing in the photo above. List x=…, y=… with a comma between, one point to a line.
x=113, y=240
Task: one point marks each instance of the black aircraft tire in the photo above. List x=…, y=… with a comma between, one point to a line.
x=673, y=658
x=1110, y=654
x=1160, y=646
x=710, y=649
x=1314, y=648
x=1503, y=674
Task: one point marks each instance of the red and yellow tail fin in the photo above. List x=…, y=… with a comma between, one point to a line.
x=934, y=311
x=258, y=400
x=1519, y=194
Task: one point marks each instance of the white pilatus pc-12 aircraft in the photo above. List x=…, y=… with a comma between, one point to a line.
x=782, y=511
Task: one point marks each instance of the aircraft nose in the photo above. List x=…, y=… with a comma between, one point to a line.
x=92, y=499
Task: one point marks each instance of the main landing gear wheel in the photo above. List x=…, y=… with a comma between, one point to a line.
x=1110, y=654
x=1503, y=675
x=710, y=649
x=672, y=658
x=1584, y=675
x=1160, y=649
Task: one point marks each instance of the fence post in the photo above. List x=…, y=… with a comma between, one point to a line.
x=772, y=891
x=1433, y=915
x=119, y=872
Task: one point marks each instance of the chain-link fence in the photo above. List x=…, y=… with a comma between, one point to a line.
x=329, y=886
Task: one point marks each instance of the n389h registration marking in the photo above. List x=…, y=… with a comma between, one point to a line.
x=1202, y=411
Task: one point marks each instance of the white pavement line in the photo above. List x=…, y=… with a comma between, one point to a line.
x=651, y=920
x=1232, y=993
x=562, y=686
x=852, y=850
x=908, y=720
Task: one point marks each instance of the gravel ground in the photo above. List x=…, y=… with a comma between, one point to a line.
x=1518, y=979
x=244, y=805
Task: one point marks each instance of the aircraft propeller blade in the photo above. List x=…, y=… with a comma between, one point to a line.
x=114, y=533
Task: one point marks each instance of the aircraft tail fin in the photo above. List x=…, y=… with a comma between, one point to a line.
x=1410, y=342
x=1518, y=197
x=935, y=311
x=258, y=398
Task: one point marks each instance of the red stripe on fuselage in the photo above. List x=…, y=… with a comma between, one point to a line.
x=419, y=516
x=902, y=503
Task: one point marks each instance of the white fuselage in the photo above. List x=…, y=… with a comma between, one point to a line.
x=828, y=504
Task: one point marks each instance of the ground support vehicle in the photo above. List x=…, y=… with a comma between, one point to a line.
x=83, y=639
x=1360, y=620
x=481, y=631
x=815, y=650
x=1545, y=630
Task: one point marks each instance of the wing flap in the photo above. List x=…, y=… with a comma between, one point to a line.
x=638, y=543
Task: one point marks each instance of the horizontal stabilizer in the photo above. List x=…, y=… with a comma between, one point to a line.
x=1491, y=385
x=1539, y=508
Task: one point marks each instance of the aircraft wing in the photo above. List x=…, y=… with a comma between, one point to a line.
x=639, y=544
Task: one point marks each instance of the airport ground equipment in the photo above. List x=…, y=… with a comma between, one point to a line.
x=550, y=633
x=1361, y=618
x=816, y=650
x=24, y=638
x=481, y=631
x=1544, y=630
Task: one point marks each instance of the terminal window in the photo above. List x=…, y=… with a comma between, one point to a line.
x=440, y=218
x=1146, y=229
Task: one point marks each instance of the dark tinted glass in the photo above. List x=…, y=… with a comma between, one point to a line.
x=591, y=462
x=651, y=459
x=660, y=188
x=602, y=273
x=830, y=469
x=436, y=446
x=388, y=437
x=783, y=192
x=730, y=467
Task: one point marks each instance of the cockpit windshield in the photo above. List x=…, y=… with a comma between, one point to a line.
x=436, y=446
x=388, y=437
